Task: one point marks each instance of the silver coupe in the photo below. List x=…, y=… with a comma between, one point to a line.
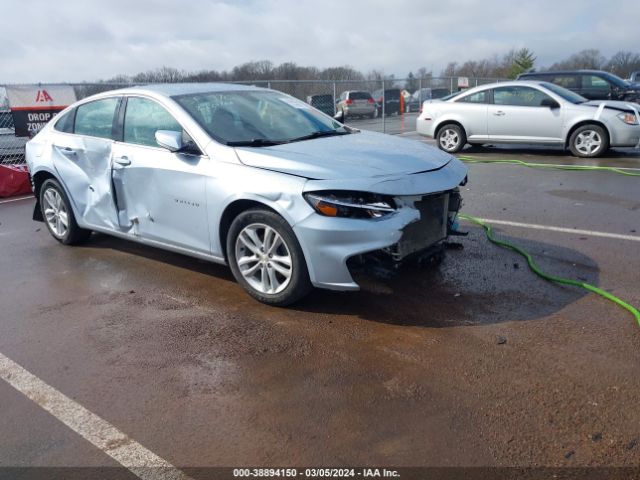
x=533, y=113
x=285, y=195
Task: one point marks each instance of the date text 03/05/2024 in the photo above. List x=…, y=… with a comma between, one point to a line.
x=315, y=473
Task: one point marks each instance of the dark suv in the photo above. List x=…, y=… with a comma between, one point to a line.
x=591, y=84
x=391, y=101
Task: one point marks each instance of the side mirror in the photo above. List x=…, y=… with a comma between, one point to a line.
x=339, y=116
x=550, y=103
x=170, y=140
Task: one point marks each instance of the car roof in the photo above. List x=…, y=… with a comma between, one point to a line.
x=561, y=72
x=174, y=89
x=510, y=83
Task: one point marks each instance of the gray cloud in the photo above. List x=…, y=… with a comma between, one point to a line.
x=88, y=40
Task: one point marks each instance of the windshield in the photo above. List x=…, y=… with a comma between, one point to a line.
x=616, y=80
x=450, y=96
x=257, y=118
x=566, y=94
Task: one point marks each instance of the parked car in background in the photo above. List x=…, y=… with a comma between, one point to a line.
x=422, y=94
x=323, y=102
x=634, y=77
x=252, y=178
x=419, y=96
x=391, y=101
x=530, y=112
x=6, y=119
x=440, y=92
x=356, y=103
x=11, y=147
x=591, y=84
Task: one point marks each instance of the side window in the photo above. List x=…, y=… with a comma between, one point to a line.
x=65, y=122
x=566, y=81
x=143, y=119
x=518, y=96
x=96, y=118
x=478, y=97
x=595, y=83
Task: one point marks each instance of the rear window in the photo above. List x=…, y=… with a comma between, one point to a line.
x=65, y=122
x=95, y=119
x=566, y=81
x=478, y=97
x=360, y=95
x=393, y=94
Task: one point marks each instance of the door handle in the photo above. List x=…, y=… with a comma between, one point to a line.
x=66, y=150
x=124, y=161
x=499, y=113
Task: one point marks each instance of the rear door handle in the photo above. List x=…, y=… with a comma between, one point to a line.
x=66, y=150
x=499, y=113
x=124, y=161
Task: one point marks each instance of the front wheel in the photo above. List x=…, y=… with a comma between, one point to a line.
x=451, y=138
x=58, y=215
x=266, y=259
x=589, y=141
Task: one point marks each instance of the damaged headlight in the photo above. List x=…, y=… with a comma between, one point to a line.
x=628, y=118
x=350, y=204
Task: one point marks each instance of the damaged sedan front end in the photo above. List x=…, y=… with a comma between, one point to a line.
x=397, y=221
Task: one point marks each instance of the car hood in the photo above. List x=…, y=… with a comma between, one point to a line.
x=615, y=104
x=357, y=155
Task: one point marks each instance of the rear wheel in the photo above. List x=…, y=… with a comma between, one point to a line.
x=589, y=141
x=58, y=215
x=266, y=259
x=451, y=138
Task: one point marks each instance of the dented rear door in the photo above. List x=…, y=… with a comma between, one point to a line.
x=82, y=160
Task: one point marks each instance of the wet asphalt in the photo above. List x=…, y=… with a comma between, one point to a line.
x=476, y=362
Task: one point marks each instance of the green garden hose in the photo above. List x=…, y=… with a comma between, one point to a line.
x=532, y=265
x=621, y=171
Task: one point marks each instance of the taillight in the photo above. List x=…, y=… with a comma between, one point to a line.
x=370, y=100
x=348, y=101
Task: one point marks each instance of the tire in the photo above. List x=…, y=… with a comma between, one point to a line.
x=451, y=138
x=344, y=116
x=56, y=208
x=267, y=279
x=589, y=141
x=374, y=114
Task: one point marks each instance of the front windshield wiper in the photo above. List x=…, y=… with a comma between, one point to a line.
x=255, y=142
x=321, y=133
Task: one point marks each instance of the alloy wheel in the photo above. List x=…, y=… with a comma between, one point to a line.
x=449, y=139
x=55, y=212
x=263, y=258
x=588, y=142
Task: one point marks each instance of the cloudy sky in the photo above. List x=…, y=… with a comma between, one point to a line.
x=72, y=40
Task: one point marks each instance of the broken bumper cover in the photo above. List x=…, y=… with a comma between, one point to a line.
x=420, y=223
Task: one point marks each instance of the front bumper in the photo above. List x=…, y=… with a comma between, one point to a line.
x=625, y=135
x=328, y=243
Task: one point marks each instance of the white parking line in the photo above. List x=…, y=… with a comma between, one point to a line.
x=17, y=199
x=123, y=449
x=592, y=233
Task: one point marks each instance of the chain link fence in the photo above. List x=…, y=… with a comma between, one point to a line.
x=389, y=106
